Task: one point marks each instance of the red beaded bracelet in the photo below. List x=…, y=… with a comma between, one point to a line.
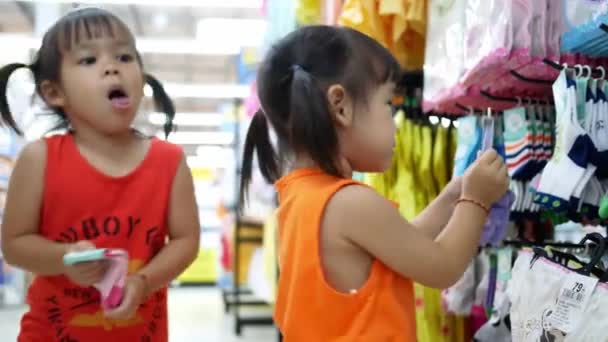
x=477, y=203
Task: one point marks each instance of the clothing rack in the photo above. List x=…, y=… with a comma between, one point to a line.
x=238, y=292
x=556, y=244
x=240, y=296
x=509, y=99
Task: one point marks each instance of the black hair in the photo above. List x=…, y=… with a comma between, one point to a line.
x=292, y=83
x=82, y=23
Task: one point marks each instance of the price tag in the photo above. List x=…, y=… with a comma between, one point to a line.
x=572, y=300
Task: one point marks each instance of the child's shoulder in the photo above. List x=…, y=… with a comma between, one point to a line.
x=166, y=146
x=357, y=196
x=35, y=150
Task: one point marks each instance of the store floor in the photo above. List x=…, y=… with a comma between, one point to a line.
x=196, y=314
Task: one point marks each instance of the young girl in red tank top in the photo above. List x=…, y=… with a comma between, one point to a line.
x=101, y=185
x=346, y=256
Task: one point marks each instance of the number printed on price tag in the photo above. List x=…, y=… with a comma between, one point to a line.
x=572, y=301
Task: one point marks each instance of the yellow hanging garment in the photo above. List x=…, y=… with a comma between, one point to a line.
x=419, y=193
x=309, y=12
x=440, y=157
x=427, y=173
x=432, y=323
x=363, y=16
x=404, y=186
x=269, y=252
x=399, y=25
x=406, y=23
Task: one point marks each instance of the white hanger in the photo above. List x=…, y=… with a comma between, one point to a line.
x=603, y=71
x=579, y=70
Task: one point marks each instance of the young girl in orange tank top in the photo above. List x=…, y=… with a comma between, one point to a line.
x=100, y=185
x=347, y=258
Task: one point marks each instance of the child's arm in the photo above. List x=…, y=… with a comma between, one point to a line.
x=365, y=219
x=436, y=215
x=22, y=245
x=184, y=234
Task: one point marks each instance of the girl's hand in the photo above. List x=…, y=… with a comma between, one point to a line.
x=487, y=180
x=84, y=273
x=134, y=296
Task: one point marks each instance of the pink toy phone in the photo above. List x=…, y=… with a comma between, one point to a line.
x=111, y=286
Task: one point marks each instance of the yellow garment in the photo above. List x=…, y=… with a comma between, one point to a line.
x=405, y=186
x=432, y=323
x=309, y=12
x=399, y=25
x=427, y=174
x=269, y=252
x=420, y=195
x=440, y=168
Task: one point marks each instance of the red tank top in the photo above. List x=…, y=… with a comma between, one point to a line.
x=307, y=307
x=130, y=212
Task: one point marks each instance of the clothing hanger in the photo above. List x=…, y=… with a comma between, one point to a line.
x=563, y=258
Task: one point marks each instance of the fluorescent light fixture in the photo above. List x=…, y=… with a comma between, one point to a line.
x=243, y=32
x=144, y=45
x=206, y=91
x=200, y=138
x=170, y=3
x=189, y=119
x=206, y=162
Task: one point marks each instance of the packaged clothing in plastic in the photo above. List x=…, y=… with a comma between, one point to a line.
x=488, y=39
x=469, y=141
x=444, y=56
x=534, y=290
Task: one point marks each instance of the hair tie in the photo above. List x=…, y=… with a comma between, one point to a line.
x=296, y=67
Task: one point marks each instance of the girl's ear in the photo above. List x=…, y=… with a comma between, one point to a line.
x=52, y=94
x=340, y=105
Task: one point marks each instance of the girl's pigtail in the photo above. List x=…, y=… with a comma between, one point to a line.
x=311, y=121
x=258, y=140
x=162, y=102
x=5, y=111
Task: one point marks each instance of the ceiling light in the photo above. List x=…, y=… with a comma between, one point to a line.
x=200, y=138
x=206, y=91
x=172, y=3
x=243, y=32
x=189, y=119
x=144, y=45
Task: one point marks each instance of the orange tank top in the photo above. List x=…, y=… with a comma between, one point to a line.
x=307, y=307
x=130, y=212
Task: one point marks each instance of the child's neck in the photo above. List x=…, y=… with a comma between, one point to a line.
x=106, y=144
x=305, y=162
